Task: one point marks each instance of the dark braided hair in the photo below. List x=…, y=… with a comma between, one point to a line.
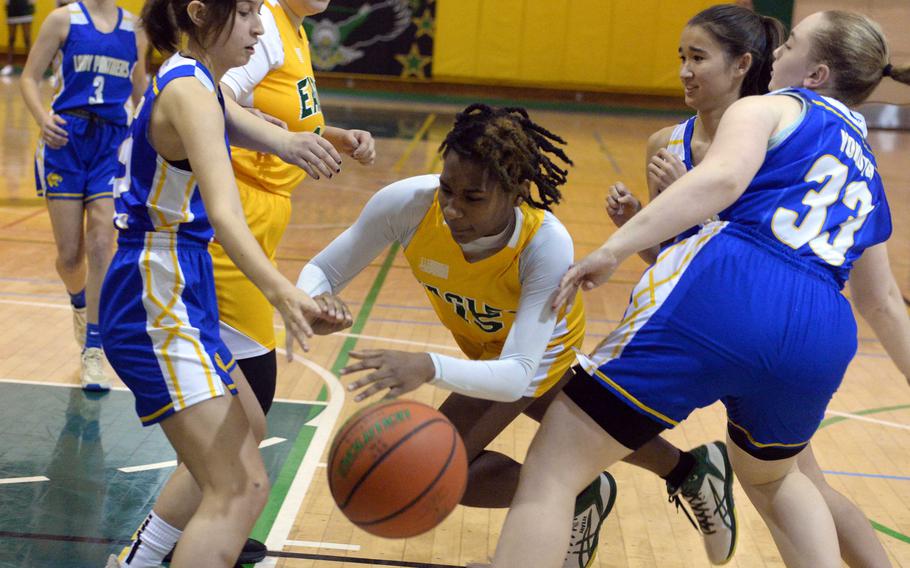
x=508, y=144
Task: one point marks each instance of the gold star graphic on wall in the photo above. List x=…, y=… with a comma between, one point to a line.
x=413, y=63
x=424, y=24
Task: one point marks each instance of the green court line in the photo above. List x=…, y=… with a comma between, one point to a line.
x=365, y=310
x=890, y=532
x=302, y=443
x=834, y=420
x=283, y=483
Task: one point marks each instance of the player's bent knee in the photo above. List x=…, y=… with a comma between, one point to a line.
x=69, y=261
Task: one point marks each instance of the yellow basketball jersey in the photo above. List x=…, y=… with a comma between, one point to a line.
x=288, y=93
x=477, y=301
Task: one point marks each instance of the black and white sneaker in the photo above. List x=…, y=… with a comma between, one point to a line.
x=708, y=491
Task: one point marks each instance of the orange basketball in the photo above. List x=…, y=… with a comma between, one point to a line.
x=397, y=468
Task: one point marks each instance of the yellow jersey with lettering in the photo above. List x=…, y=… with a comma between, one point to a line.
x=287, y=91
x=278, y=80
x=477, y=301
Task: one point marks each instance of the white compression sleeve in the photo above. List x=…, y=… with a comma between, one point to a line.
x=543, y=263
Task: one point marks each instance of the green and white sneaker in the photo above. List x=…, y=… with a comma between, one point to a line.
x=592, y=506
x=709, y=492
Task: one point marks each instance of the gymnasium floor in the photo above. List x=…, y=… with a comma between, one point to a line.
x=77, y=472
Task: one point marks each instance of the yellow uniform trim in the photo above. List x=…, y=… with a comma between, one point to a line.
x=99, y=196
x=157, y=413
x=652, y=287
x=149, y=290
x=842, y=117
x=153, y=202
x=761, y=445
x=174, y=330
x=628, y=396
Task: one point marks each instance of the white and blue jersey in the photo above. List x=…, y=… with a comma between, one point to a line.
x=680, y=145
x=159, y=313
x=96, y=68
x=749, y=311
x=154, y=195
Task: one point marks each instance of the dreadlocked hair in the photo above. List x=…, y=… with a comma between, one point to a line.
x=508, y=144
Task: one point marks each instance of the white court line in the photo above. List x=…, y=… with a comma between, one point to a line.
x=51, y=384
x=400, y=341
x=173, y=463
x=388, y=340
x=148, y=466
x=10, y=480
x=119, y=388
x=293, y=501
x=327, y=545
x=36, y=304
x=866, y=419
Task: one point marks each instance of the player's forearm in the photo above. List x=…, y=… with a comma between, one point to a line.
x=334, y=135
x=698, y=195
x=251, y=132
x=891, y=325
x=32, y=98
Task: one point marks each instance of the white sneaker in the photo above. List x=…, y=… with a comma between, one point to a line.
x=113, y=562
x=592, y=506
x=7, y=70
x=79, y=323
x=709, y=493
x=93, y=378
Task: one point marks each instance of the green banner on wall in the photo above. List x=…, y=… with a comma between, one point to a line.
x=780, y=9
x=376, y=37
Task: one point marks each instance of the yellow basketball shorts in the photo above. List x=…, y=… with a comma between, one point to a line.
x=241, y=305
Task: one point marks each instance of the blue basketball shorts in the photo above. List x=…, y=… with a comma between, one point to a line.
x=159, y=324
x=728, y=315
x=85, y=167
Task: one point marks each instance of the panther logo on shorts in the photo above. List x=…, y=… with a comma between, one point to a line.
x=53, y=180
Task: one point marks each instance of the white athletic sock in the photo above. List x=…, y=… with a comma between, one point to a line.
x=151, y=543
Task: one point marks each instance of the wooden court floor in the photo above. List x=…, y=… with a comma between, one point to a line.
x=66, y=501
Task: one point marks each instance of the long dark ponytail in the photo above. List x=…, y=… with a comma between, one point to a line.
x=739, y=31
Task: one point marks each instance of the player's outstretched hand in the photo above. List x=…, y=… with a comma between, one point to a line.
x=621, y=204
x=663, y=169
x=311, y=152
x=398, y=371
x=358, y=144
x=335, y=315
x=332, y=315
x=297, y=309
x=587, y=274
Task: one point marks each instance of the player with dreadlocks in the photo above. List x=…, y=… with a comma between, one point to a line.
x=482, y=243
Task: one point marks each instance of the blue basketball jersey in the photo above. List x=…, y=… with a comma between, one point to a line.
x=151, y=194
x=96, y=68
x=818, y=191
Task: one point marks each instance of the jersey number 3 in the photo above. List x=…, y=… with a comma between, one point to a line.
x=98, y=97
x=831, y=174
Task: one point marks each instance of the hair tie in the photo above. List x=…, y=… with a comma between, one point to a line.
x=886, y=72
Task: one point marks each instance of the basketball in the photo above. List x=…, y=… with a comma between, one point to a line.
x=397, y=468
